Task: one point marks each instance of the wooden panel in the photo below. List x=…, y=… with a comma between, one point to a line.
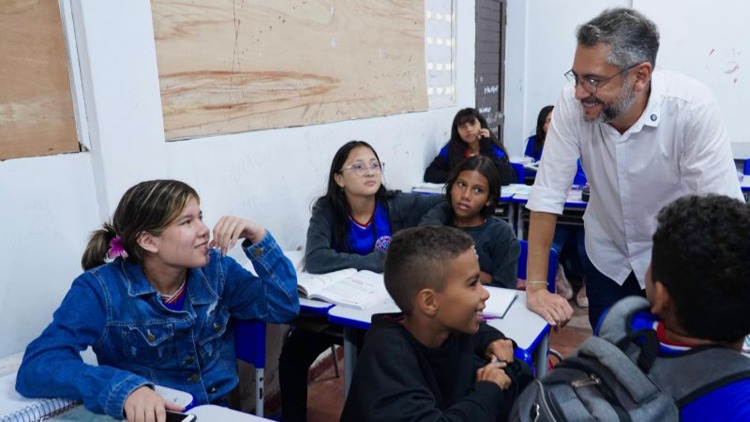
x=36, y=105
x=231, y=66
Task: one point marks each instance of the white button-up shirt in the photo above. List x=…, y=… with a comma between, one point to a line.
x=678, y=146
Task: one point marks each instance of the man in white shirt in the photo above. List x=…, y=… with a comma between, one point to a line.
x=645, y=137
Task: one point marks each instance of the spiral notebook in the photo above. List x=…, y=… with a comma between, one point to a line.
x=16, y=408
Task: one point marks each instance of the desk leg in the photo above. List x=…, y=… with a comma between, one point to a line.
x=512, y=215
x=350, y=358
x=540, y=356
x=259, y=372
x=519, y=217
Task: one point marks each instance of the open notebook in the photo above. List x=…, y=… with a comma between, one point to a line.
x=499, y=302
x=17, y=408
x=349, y=287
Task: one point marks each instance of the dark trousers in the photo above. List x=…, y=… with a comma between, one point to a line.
x=298, y=353
x=603, y=292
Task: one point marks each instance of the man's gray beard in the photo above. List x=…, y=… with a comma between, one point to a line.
x=617, y=107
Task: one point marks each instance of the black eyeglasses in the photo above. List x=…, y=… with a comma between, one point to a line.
x=360, y=169
x=592, y=83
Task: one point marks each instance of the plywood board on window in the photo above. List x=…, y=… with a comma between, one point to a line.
x=36, y=104
x=232, y=66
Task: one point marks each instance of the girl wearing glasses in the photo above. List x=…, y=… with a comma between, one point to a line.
x=350, y=227
x=470, y=136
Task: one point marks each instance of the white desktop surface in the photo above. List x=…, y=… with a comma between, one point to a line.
x=363, y=315
x=211, y=413
x=519, y=323
x=525, y=327
x=205, y=413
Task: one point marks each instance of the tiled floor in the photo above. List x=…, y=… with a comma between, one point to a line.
x=326, y=393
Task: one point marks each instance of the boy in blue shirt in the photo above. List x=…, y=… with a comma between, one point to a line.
x=698, y=286
x=424, y=365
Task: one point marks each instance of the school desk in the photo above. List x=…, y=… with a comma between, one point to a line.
x=572, y=214
x=529, y=330
x=204, y=413
x=505, y=208
x=745, y=186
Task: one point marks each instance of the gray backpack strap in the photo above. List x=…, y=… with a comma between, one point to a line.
x=638, y=385
x=693, y=374
x=686, y=376
x=616, y=324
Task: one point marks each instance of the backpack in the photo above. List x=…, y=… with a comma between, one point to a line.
x=619, y=376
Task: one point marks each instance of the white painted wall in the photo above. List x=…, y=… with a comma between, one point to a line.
x=541, y=42
x=51, y=204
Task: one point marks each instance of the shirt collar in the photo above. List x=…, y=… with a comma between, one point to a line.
x=198, y=289
x=651, y=116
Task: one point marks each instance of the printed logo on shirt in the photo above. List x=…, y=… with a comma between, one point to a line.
x=382, y=243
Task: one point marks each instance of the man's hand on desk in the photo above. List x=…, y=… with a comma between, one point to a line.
x=550, y=306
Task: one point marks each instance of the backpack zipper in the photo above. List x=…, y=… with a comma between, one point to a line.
x=592, y=379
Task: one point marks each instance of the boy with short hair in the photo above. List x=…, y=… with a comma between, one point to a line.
x=698, y=286
x=675, y=355
x=422, y=367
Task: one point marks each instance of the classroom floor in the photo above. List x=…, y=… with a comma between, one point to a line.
x=326, y=392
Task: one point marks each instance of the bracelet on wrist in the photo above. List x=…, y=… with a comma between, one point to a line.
x=537, y=283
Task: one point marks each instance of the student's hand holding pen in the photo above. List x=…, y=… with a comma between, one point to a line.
x=501, y=350
x=494, y=372
x=229, y=229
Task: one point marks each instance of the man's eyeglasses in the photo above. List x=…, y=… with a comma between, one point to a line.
x=592, y=83
x=360, y=169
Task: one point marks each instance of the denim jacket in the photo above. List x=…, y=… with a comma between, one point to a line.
x=138, y=341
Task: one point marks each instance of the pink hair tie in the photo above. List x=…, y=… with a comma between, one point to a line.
x=116, y=248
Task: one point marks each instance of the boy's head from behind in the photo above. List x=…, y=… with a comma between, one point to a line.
x=433, y=272
x=701, y=258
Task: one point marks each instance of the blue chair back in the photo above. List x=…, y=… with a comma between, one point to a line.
x=520, y=172
x=551, y=269
x=250, y=341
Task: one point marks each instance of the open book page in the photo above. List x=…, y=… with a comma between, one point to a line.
x=310, y=284
x=426, y=187
x=499, y=302
x=360, y=290
x=518, y=190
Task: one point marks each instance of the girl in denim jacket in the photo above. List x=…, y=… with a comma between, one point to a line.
x=155, y=304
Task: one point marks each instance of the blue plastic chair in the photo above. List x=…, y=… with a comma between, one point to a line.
x=250, y=347
x=520, y=172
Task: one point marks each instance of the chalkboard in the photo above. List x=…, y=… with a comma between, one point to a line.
x=709, y=41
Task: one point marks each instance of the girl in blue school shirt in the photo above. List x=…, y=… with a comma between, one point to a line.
x=350, y=227
x=472, y=193
x=470, y=136
x=155, y=305
x=535, y=143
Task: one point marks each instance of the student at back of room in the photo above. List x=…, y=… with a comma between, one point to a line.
x=350, y=227
x=155, y=303
x=472, y=193
x=470, y=136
